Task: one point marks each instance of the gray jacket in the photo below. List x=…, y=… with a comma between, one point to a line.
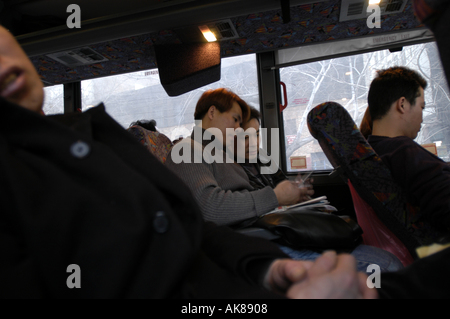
x=222, y=189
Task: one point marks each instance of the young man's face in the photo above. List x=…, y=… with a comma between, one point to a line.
x=414, y=115
x=19, y=81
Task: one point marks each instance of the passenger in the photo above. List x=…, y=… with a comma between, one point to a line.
x=87, y=212
x=222, y=188
x=435, y=14
x=396, y=102
x=253, y=170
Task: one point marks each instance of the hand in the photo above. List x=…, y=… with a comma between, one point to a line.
x=332, y=276
x=288, y=193
x=306, y=190
x=284, y=272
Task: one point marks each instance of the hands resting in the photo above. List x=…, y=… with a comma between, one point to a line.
x=330, y=276
x=289, y=193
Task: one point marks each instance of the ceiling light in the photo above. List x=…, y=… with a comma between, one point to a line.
x=374, y=2
x=207, y=33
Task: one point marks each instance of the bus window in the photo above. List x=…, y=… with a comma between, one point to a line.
x=346, y=81
x=54, y=99
x=140, y=96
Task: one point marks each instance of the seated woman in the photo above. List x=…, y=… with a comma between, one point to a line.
x=204, y=161
x=257, y=180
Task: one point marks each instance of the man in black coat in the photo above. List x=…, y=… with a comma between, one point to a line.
x=87, y=212
x=396, y=103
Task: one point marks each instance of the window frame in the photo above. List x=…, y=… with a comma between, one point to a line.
x=278, y=67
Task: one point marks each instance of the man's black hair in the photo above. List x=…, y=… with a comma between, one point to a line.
x=390, y=85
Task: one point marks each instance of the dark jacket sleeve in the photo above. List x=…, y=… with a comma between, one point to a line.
x=424, y=279
x=109, y=207
x=244, y=255
x=426, y=179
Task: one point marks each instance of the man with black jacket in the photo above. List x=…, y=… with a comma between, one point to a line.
x=396, y=102
x=79, y=192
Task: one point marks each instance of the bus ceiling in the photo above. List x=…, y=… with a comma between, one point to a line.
x=126, y=32
x=42, y=28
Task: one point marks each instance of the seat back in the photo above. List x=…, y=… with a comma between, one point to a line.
x=346, y=149
x=375, y=232
x=157, y=143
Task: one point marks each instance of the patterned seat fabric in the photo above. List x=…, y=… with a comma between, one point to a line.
x=158, y=144
x=348, y=150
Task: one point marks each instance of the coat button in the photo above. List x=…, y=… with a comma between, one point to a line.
x=80, y=149
x=161, y=222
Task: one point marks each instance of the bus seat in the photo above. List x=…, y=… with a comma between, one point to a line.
x=375, y=232
x=377, y=198
x=157, y=143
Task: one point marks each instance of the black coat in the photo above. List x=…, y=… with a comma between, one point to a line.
x=78, y=189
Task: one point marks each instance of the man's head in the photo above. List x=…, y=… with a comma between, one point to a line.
x=19, y=81
x=397, y=95
x=221, y=109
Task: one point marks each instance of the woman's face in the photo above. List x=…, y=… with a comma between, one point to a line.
x=252, y=139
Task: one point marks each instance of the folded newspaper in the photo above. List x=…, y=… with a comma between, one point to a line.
x=319, y=203
x=426, y=251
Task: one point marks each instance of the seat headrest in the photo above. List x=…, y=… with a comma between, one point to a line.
x=347, y=149
x=330, y=121
x=157, y=143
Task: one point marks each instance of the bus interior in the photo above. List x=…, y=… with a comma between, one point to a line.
x=283, y=57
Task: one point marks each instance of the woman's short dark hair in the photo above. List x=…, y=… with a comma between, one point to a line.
x=254, y=114
x=148, y=125
x=390, y=85
x=223, y=100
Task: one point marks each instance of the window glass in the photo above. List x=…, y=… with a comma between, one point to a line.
x=140, y=96
x=346, y=81
x=53, y=99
